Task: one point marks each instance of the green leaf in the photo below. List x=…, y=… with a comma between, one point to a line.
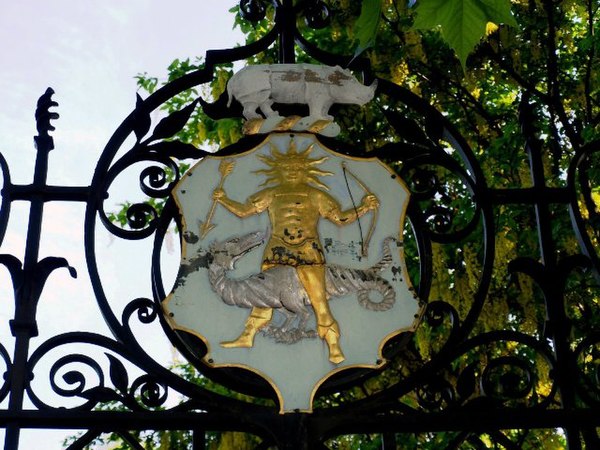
x=463, y=22
x=367, y=23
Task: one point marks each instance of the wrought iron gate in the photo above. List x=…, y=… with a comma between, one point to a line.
x=499, y=389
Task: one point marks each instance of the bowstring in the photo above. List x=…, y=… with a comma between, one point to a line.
x=362, y=241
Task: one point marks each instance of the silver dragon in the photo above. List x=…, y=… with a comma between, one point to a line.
x=279, y=287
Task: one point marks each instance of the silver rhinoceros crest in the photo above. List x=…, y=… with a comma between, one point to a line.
x=258, y=87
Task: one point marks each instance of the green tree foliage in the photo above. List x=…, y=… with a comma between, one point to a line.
x=463, y=23
x=475, y=60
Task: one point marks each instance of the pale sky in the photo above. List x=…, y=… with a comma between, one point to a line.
x=88, y=52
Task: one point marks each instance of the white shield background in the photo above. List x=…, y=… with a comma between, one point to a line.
x=294, y=370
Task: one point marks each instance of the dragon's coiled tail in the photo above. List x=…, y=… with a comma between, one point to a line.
x=343, y=280
x=385, y=289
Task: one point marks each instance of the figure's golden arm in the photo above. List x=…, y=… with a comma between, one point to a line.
x=333, y=212
x=239, y=209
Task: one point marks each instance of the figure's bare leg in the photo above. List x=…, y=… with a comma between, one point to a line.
x=312, y=278
x=259, y=317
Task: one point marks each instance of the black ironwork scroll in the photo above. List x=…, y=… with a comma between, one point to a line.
x=507, y=379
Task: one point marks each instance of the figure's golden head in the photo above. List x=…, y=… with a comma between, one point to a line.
x=292, y=166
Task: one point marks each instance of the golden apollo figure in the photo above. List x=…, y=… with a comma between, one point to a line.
x=295, y=200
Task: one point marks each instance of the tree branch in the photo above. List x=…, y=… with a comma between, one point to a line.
x=439, y=75
x=553, y=78
x=588, y=68
x=530, y=88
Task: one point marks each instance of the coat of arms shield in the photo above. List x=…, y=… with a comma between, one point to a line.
x=292, y=263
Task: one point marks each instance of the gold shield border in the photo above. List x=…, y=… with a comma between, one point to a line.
x=417, y=319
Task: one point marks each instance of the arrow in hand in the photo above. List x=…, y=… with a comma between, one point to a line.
x=225, y=169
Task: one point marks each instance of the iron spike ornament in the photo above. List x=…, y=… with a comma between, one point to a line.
x=276, y=275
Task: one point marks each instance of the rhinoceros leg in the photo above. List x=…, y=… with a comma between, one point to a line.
x=266, y=109
x=319, y=108
x=250, y=110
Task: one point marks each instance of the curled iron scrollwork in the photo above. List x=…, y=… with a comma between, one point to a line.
x=443, y=319
x=5, y=387
x=139, y=215
x=253, y=10
x=445, y=192
x=75, y=379
x=436, y=394
x=438, y=166
x=151, y=392
x=424, y=183
x=155, y=181
x=85, y=378
x=585, y=212
x=507, y=378
x=316, y=14
x=145, y=308
x=6, y=201
x=493, y=369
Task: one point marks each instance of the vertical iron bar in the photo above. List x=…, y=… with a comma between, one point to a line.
x=198, y=440
x=294, y=432
x=286, y=17
x=553, y=286
x=389, y=441
x=24, y=325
